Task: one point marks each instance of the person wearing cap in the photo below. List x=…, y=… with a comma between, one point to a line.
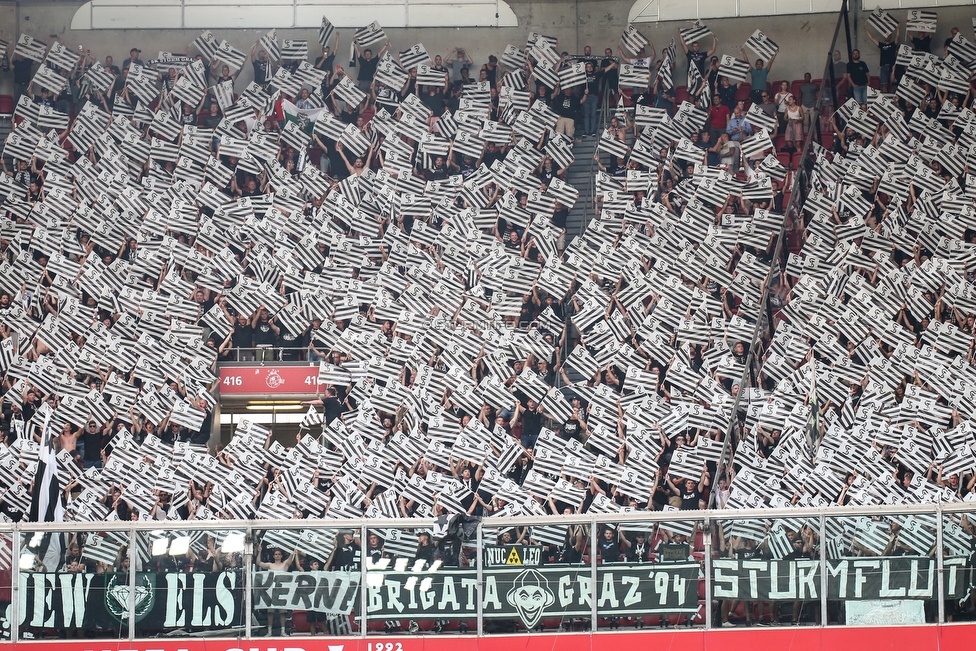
x=637, y=550
x=43, y=98
x=347, y=553
x=133, y=58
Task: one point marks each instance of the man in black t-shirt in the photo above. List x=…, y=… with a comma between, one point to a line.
x=347, y=554
x=367, y=66
x=566, y=105
x=22, y=75
x=857, y=76
x=531, y=422
x=263, y=68
x=889, y=52
x=608, y=71
x=690, y=492
x=695, y=54
x=264, y=332
x=609, y=546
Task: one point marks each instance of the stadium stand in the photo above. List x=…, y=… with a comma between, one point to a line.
x=742, y=321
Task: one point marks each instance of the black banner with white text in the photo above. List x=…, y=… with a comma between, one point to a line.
x=878, y=577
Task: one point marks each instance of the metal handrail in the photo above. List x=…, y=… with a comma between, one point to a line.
x=937, y=508
x=777, y=251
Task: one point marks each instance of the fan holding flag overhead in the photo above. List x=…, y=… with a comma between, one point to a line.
x=814, y=428
x=46, y=496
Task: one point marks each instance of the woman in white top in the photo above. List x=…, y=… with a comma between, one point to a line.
x=780, y=100
x=794, y=123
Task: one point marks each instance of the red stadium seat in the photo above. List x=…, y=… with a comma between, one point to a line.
x=743, y=92
x=797, y=159
x=795, y=89
x=779, y=142
x=874, y=82
x=6, y=106
x=298, y=621
x=784, y=157
x=681, y=94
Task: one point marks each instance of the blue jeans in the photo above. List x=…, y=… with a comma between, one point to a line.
x=589, y=114
x=860, y=94
x=885, y=74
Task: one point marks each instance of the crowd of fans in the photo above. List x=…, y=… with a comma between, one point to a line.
x=477, y=360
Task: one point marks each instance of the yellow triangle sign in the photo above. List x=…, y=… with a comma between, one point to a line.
x=513, y=558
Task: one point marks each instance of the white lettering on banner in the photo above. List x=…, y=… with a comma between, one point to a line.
x=839, y=570
x=859, y=578
x=74, y=594
x=754, y=567
x=913, y=589
x=886, y=589
x=565, y=591
x=774, y=591
x=806, y=581
x=175, y=585
x=633, y=595
x=725, y=587
x=491, y=594
x=608, y=596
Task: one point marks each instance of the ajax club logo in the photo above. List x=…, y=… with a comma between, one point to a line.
x=274, y=379
x=530, y=596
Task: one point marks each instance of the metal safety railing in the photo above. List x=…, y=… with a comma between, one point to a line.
x=376, y=585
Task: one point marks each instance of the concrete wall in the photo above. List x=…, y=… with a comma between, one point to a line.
x=803, y=39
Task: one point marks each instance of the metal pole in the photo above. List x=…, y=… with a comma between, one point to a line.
x=847, y=30
x=248, y=580
x=362, y=581
x=940, y=563
x=15, y=547
x=481, y=578
x=823, y=570
x=593, y=591
x=707, y=536
x=132, y=584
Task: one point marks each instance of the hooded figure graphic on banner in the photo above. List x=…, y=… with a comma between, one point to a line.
x=530, y=597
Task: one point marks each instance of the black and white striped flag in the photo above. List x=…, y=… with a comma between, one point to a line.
x=760, y=119
x=513, y=57
x=230, y=55
x=61, y=56
x=347, y=91
x=413, y=56
x=696, y=32
x=734, y=69
x=756, y=144
x=963, y=49
x=632, y=76
x=99, y=77
x=390, y=73
x=545, y=73
x=286, y=82
x=224, y=92
x=427, y=76
x=270, y=43
x=911, y=92
x=370, y=34
x=308, y=74
x=882, y=22
x=921, y=21
x=572, y=75
x=207, y=44
x=326, y=32
x=47, y=78
x=633, y=40
x=762, y=45
x=294, y=50
x=29, y=48
x=695, y=84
